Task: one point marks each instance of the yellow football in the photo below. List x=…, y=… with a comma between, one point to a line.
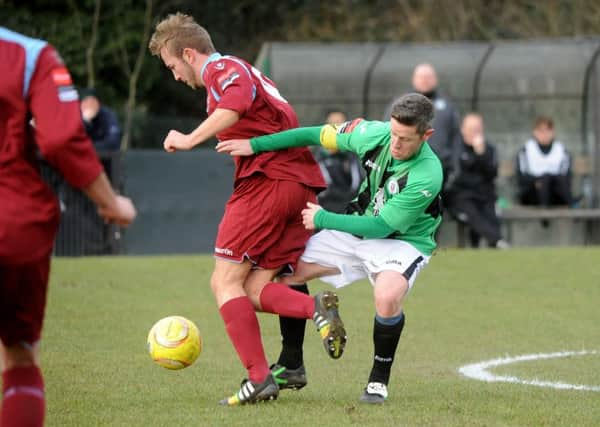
x=174, y=342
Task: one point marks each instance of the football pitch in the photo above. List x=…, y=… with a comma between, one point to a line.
x=466, y=307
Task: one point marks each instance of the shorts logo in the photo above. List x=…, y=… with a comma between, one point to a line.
x=224, y=251
x=392, y=261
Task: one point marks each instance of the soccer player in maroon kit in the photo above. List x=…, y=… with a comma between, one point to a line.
x=39, y=109
x=261, y=231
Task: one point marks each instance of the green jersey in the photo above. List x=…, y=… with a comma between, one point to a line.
x=398, y=199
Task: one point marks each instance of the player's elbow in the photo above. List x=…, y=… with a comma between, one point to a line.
x=54, y=145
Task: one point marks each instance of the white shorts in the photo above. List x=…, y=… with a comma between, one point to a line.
x=357, y=258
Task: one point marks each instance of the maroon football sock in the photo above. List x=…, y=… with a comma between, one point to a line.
x=280, y=299
x=244, y=332
x=23, y=402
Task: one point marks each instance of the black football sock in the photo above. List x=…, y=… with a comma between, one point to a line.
x=386, y=334
x=292, y=336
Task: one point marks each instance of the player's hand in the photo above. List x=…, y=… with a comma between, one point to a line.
x=235, y=147
x=121, y=212
x=479, y=144
x=308, y=215
x=177, y=141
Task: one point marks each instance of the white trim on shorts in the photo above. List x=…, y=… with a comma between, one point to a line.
x=358, y=259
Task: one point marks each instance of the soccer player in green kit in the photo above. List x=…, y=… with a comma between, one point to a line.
x=389, y=233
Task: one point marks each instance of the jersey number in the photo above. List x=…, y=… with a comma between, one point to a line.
x=269, y=88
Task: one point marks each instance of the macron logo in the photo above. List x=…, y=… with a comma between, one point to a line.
x=426, y=193
x=224, y=251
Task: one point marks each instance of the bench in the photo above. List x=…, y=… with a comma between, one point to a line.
x=509, y=216
x=590, y=217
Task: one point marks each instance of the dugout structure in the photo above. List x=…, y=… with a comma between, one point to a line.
x=508, y=82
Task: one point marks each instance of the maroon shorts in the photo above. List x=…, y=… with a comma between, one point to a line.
x=263, y=222
x=23, y=301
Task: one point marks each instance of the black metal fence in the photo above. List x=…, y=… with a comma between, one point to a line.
x=82, y=231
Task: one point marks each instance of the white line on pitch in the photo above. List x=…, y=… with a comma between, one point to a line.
x=479, y=371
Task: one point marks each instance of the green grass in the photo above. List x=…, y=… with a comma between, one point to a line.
x=466, y=307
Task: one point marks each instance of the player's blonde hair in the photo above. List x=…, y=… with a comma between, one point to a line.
x=177, y=32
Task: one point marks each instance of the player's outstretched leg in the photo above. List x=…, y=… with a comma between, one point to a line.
x=251, y=392
x=323, y=309
x=386, y=335
x=329, y=324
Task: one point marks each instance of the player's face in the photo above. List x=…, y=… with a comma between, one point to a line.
x=405, y=140
x=182, y=71
x=472, y=128
x=544, y=134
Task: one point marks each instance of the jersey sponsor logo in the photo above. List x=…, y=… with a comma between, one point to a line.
x=224, y=251
x=61, y=77
x=371, y=164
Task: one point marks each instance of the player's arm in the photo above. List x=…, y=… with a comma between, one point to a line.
x=53, y=100
x=233, y=89
x=328, y=136
x=218, y=121
x=369, y=227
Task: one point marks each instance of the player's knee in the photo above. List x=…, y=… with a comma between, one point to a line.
x=388, y=301
x=253, y=291
x=385, y=307
x=20, y=355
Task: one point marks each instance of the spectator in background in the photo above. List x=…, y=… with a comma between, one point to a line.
x=472, y=199
x=102, y=126
x=101, y=122
x=446, y=140
x=544, y=168
x=341, y=170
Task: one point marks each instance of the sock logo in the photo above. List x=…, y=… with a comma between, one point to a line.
x=383, y=359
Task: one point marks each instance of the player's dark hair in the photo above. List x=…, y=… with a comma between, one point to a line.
x=414, y=109
x=177, y=32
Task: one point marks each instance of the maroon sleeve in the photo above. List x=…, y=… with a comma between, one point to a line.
x=59, y=131
x=234, y=86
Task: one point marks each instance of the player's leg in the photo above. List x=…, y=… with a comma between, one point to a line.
x=22, y=304
x=278, y=298
x=389, y=292
x=289, y=369
x=241, y=324
x=393, y=266
x=325, y=254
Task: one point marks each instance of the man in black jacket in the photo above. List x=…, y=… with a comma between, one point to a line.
x=101, y=123
x=446, y=140
x=472, y=198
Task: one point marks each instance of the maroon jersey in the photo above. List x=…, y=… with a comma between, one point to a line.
x=39, y=109
x=233, y=84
